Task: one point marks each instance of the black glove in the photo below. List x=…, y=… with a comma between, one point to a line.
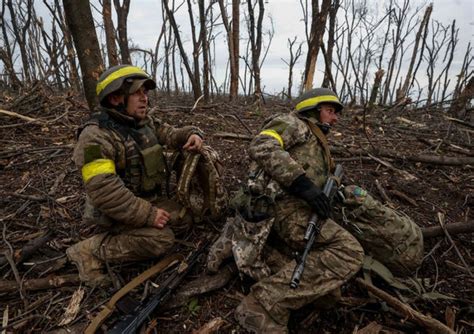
x=305, y=189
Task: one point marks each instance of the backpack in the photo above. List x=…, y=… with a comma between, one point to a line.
x=200, y=183
x=389, y=236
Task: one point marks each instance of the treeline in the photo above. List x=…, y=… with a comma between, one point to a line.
x=398, y=57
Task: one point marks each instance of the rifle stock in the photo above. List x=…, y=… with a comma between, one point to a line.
x=313, y=229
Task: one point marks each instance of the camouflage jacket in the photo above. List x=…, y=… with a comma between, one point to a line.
x=286, y=148
x=102, y=154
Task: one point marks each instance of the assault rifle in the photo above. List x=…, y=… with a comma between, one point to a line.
x=131, y=322
x=314, y=227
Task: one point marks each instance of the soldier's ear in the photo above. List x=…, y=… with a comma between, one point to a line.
x=115, y=99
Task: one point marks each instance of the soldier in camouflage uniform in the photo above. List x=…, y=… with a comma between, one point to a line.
x=120, y=155
x=291, y=166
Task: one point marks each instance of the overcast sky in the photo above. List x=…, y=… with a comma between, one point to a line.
x=145, y=20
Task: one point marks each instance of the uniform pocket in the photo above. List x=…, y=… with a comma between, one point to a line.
x=154, y=167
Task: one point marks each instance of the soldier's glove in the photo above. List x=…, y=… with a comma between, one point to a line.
x=305, y=189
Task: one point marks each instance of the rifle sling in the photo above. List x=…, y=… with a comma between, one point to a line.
x=109, y=307
x=324, y=143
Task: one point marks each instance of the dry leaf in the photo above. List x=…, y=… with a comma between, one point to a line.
x=73, y=308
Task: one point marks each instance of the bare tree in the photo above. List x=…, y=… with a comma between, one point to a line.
x=329, y=52
x=20, y=29
x=255, y=36
x=464, y=76
x=70, y=54
x=6, y=53
x=232, y=30
x=122, y=14
x=318, y=25
x=423, y=27
x=112, y=53
x=80, y=22
x=439, y=37
x=403, y=26
x=193, y=75
x=294, y=56
x=205, y=50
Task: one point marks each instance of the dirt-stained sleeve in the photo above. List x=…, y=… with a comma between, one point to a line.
x=96, y=156
x=174, y=137
x=269, y=148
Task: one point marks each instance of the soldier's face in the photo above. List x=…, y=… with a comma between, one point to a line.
x=328, y=114
x=137, y=106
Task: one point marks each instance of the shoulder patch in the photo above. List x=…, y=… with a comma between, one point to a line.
x=91, y=153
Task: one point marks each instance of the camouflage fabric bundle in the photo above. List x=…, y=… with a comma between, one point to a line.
x=391, y=237
x=201, y=184
x=245, y=242
x=248, y=247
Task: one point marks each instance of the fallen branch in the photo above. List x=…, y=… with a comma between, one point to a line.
x=29, y=249
x=453, y=229
x=25, y=118
x=404, y=197
x=407, y=176
x=424, y=158
x=455, y=120
x=40, y=283
x=431, y=325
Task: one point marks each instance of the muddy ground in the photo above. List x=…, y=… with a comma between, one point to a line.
x=41, y=191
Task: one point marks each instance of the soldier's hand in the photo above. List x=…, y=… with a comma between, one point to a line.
x=161, y=218
x=305, y=189
x=194, y=143
x=321, y=205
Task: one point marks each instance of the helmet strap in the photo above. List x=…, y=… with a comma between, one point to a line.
x=325, y=127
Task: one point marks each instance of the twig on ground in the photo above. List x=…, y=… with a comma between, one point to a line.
x=441, y=222
x=383, y=193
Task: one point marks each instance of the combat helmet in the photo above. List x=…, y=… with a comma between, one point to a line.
x=314, y=97
x=113, y=79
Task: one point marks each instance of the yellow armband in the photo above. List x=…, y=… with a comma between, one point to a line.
x=97, y=167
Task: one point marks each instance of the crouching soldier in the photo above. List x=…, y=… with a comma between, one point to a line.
x=120, y=156
x=290, y=163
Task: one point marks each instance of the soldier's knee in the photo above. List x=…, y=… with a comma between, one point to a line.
x=157, y=241
x=163, y=236
x=349, y=251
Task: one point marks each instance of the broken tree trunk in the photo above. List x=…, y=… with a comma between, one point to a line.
x=431, y=325
x=459, y=106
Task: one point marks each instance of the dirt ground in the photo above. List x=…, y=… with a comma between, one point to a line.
x=41, y=191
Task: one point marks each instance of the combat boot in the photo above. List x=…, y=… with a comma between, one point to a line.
x=253, y=317
x=88, y=265
x=221, y=249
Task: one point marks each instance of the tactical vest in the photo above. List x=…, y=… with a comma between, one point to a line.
x=142, y=166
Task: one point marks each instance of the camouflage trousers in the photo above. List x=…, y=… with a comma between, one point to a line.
x=335, y=258
x=122, y=243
